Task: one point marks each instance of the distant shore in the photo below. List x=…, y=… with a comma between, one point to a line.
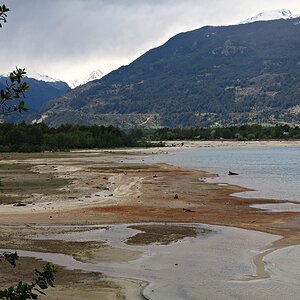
x=230, y=144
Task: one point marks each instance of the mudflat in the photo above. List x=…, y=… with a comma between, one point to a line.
x=104, y=187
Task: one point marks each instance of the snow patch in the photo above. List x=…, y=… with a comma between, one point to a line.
x=297, y=22
x=97, y=74
x=271, y=15
x=36, y=76
x=40, y=77
x=40, y=120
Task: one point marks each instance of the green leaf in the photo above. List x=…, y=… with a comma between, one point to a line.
x=11, y=258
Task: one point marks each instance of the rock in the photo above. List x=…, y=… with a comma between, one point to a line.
x=20, y=204
x=176, y=196
x=187, y=210
x=232, y=173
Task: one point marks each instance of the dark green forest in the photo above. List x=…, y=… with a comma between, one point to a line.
x=39, y=137
x=224, y=75
x=36, y=138
x=248, y=132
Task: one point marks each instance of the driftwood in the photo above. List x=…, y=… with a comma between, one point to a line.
x=187, y=210
x=20, y=204
x=232, y=173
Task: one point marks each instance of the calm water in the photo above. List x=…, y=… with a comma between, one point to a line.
x=213, y=266
x=273, y=172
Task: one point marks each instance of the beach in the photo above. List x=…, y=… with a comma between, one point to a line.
x=86, y=190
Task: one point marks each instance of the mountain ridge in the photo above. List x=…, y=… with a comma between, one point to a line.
x=215, y=75
x=42, y=88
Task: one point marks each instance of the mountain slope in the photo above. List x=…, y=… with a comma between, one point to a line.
x=212, y=75
x=41, y=89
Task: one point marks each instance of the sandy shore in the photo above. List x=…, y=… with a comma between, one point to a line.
x=232, y=144
x=101, y=187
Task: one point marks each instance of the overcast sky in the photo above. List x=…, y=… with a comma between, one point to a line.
x=68, y=39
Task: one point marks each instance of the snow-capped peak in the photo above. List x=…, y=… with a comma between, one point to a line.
x=271, y=15
x=40, y=77
x=36, y=76
x=92, y=76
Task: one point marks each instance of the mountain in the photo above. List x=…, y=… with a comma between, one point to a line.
x=42, y=88
x=92, y=76
x=215, y=75
x=271, y=15
x=40, y=77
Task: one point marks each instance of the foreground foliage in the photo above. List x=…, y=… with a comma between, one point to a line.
x=22, y=291
x=11, y=97
x=11, y=100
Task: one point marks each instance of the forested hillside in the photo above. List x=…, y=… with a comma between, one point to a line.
x=213, y=75
x=38, y=94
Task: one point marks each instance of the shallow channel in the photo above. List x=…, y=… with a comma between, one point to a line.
x=216, y=266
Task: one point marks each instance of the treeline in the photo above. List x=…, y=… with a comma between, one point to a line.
x=242, y=133
x=39, y=137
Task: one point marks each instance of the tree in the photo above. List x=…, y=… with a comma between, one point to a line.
x=3, y=14
x=22, y=290
x=14, y=91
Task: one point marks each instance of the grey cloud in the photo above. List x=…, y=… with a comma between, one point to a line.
x=66, y=37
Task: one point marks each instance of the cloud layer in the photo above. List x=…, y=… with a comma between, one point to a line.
x=70, y=38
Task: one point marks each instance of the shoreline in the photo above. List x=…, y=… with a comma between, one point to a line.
x=142, y=193
x=227, y=191
x=266, y=172
x=233, y=143
x=258, y=274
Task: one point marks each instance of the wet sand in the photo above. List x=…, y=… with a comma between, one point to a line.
x=103, y=188
x=216, y=264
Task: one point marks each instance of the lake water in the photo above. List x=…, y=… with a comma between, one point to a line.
x=273, y=172
x=214, y=266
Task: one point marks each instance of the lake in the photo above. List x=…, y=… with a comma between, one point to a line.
x=215, y=266
x=273, y=172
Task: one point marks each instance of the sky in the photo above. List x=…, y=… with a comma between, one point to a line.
x=68, y=39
